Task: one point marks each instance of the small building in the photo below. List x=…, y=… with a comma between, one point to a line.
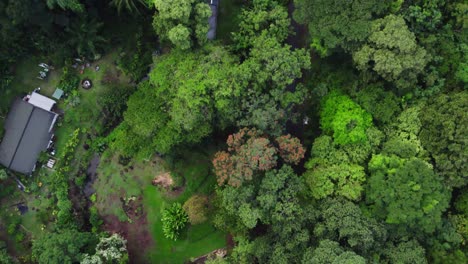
x=28, y=131
x=213, y=19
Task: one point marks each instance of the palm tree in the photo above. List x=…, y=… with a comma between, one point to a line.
x=85, y=37
x=130, y=5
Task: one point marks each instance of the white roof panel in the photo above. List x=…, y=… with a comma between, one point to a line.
x=41, y=101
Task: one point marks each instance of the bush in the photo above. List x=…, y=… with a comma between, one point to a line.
x=69, y=80
x=174, y=220
x=197, y=209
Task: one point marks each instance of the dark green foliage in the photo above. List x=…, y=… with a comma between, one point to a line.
x=135, y=61
x=5, y=258
x=338, y=23
x=406, y=192
x=391, y=50
x=173, y=221
x=343, y=220
x=69, y=80
x=67, y=246
x=405, y=253
x=330, y=252
x=74, y=5
x=114, y=103
x=85, y=37
x=382, y=105
x=444, y=122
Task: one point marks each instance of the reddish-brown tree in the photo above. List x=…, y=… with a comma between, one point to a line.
x=249, y=151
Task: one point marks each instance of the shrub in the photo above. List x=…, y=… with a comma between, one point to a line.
x=173, y=220
x=197, y=209
x=69, y=80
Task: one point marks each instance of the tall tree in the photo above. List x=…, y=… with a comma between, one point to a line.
x=187, y=94
x=65, y=247
x=338, y=23
x=343, y=221
x=344, y=119
x=391, y=50
x=444, y=122
x=180, y=21
x=406, y=192
x=251, y=152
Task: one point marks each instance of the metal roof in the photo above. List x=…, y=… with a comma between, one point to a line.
x=28, y=130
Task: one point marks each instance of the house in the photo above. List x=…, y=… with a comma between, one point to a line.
x=213, y=19
x=28, y=131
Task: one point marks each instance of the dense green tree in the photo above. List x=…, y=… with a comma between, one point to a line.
x=330, y=252
x=444, y=122
x=274, y=203
x=403, y=135
x=265, y=17
x=187, y=94
x=181, y=21
x=5, y=258
x=67, y=246
x=338, y=23
x=404, y=253
x=382, y=105
x=406, y=192
x=391, y=50
x=110, y=250
x=343, y=221
x=344, y=119
x=345, y=180
x=267, y=103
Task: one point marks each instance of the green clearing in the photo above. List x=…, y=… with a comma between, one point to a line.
x=115, y=181
x=86, y=115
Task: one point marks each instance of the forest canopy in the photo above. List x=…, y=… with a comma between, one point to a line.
x=306, y=131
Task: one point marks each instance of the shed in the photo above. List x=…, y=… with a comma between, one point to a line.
x=58, y=94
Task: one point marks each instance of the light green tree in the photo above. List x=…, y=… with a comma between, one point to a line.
x=189, y=15
x=180, y=37
x=3, y=175
x=344, y=119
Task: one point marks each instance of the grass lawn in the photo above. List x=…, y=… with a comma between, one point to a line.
x=115, y=181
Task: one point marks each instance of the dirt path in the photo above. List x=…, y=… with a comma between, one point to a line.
x=88, y=190
x=297, y=40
